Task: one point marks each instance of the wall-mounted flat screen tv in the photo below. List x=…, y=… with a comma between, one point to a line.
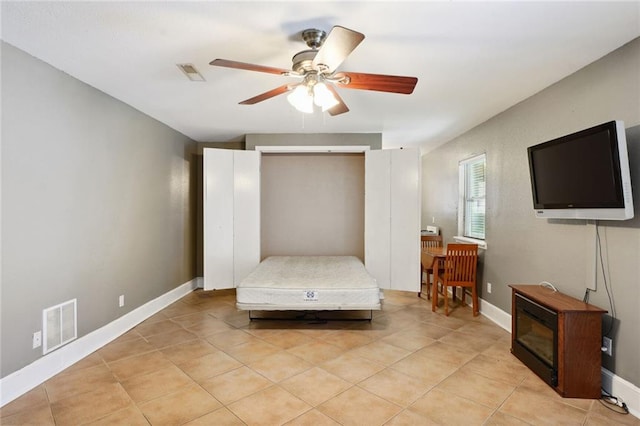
x=584, y=175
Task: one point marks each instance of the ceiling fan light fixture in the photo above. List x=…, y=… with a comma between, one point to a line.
x=301, y=99
x=323, y=97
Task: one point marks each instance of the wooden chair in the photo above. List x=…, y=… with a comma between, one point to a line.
x=460, y=268
x=428, y=241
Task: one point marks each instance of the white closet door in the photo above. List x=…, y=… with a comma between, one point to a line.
x=218, y=218
x=377, y=216
x=246, y=213
x=405, y=219
x=392, y=218
x=231, y=216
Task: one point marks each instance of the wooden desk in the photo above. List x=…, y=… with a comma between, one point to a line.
x=431, y=257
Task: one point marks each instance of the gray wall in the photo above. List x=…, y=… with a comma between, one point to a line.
x=523, y=249
x=338, y=206
x=97, y=202
x=312, y=204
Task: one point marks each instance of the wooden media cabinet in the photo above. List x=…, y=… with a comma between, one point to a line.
x=559, y=338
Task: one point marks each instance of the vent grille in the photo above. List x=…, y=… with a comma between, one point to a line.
x=59, y=325
x=191, y=72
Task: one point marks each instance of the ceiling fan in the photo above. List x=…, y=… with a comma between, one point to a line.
x=317, y=69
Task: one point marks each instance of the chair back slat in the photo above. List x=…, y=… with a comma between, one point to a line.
x=461, y=263
x=430, y=241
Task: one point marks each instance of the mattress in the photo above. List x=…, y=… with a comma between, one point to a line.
x=309, y=283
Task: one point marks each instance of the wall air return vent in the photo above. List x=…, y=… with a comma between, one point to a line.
x=59, y=325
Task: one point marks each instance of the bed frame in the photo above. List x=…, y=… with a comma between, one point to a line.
x=312, y=317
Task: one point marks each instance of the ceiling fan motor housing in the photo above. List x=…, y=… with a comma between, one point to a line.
x=303, y=61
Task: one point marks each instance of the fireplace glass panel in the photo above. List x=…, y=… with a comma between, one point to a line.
x=535, y=336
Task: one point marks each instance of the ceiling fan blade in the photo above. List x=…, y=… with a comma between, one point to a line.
x=340, y=108
x=270, y=94
x=336, y=47
x=378, y=82
x=249, y=67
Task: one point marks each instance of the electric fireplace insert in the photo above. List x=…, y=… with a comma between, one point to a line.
x=536, y=338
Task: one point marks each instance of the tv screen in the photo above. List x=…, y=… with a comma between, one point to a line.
x=584, y=175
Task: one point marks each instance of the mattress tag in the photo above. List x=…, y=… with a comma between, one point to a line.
x=310, y=296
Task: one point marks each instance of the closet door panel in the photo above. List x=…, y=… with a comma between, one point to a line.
x=218, y=218
x=377, y=221
x=246, y=213
x=405, y=219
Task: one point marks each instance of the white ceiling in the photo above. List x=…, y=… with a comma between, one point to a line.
x=473, y=59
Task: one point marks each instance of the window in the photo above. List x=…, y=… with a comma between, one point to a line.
x=471, y=206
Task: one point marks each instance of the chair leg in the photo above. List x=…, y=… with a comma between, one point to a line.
x=474, y=296
x=446, y=298
x=434, y=294
x=428, y=286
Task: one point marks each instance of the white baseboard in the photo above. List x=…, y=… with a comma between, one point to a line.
x=495, y=314
x=501, y=318
x=614, y=385
x=622, y=389
x=36, y=373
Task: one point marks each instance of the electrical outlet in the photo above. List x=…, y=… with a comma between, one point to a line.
x=607, y=345
x=121, y=300
x=37, y=339
x=488, y=287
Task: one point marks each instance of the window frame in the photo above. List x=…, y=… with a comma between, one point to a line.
x=463, y=199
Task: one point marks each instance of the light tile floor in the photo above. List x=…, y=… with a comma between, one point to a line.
x=202, y=362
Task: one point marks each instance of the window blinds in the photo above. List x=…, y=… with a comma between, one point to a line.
x=474, y=197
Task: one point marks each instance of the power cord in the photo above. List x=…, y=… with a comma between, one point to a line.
x=547, y=284
x=606, y=283
x=608, y=399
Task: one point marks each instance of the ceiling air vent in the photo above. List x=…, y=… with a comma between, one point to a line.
x=191, y=72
